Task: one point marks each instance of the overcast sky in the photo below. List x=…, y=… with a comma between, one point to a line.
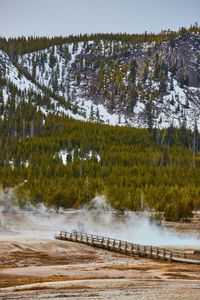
x=64, y=17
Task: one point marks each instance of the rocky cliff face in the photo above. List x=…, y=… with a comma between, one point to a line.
x=184, y=51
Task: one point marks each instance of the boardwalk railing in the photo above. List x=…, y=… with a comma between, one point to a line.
x=125, y=247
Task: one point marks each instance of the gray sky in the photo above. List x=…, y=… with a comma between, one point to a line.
x=64, y=17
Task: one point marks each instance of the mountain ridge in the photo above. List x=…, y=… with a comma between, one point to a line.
x=147, y=84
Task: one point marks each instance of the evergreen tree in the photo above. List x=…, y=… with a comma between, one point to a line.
x=171, y=83
x=91, y=113
x=52, y=58
x=187, y=101
x=156, y=68
x=133, y=71
x=173, y=69
x=195, y=144
x=149, y=113
x=172, y=102
x=163, y=82
x=145, y=72
x=133, y=97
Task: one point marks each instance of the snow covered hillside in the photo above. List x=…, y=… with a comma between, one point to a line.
x=113, y=82
x=12, y=75
x=60, y=74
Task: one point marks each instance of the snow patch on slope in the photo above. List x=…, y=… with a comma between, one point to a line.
x=12, y=75
x=63, y=155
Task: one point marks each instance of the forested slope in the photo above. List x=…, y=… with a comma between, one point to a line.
x=50, y=88
x=66, y=162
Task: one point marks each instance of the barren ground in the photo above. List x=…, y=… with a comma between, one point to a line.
x=51, y=269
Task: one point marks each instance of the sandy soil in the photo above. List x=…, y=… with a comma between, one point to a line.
x=33, y=265
x=53, y=269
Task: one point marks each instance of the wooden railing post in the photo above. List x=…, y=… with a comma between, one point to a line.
x=125, y=247
x=157, y=252
x=132, y=248
x=150, y=252
x=81, y=238
x=119, y=247
x=164, y=254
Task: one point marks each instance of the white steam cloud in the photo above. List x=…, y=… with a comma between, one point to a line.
x=97, y=218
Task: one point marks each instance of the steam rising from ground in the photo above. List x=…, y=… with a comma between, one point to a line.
x=97, y=218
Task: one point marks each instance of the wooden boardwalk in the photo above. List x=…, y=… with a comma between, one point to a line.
x=128, y=248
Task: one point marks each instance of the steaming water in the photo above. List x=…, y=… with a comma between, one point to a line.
x=41, y=223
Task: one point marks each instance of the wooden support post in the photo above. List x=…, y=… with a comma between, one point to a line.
x=157, y=252
x=102, y=242
x=125, y=247
x=119, y=247
x=164, y=254
x=132, y=248
x=108, y=242
x=150, y=252
x=171, y=255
